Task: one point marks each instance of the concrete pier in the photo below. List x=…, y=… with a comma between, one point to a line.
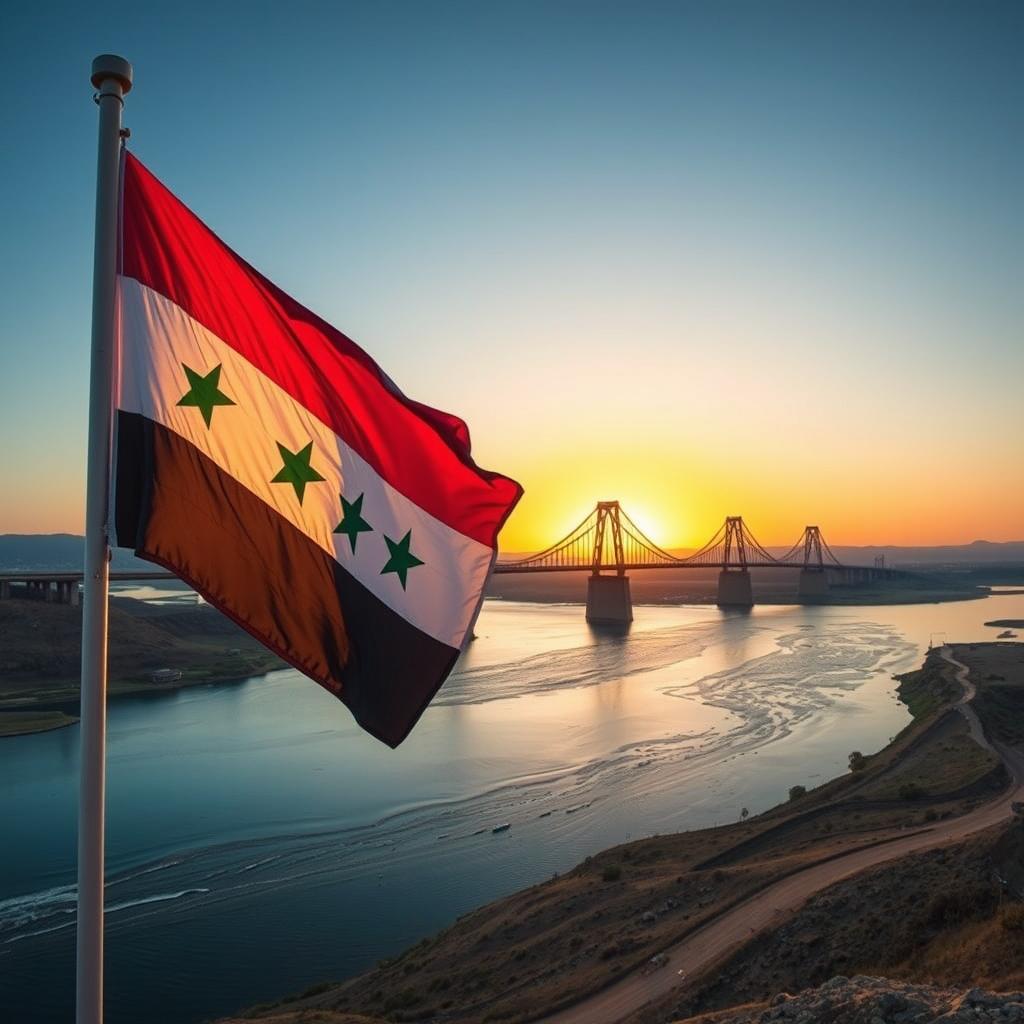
x=609, y=600
x=734, y=589
x=813, y=584
x=29, y=587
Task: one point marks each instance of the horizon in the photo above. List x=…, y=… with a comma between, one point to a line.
x=810, y=266
x=672, y=548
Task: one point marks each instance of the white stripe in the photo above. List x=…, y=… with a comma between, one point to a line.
x=158, y=337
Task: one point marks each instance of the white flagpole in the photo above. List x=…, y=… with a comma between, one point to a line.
x=112, y=78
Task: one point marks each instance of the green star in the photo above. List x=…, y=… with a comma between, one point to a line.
x=203, y=392
x=296, y=469
x=402, y=559
x=352, y=522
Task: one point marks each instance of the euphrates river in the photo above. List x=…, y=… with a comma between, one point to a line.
x=259, y=843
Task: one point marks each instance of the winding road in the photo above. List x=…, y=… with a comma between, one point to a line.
x=767, y=907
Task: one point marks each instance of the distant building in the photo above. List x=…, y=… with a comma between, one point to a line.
x=165, y=675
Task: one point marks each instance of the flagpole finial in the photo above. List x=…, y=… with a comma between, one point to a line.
x=109, y=65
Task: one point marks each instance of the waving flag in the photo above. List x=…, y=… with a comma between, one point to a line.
x=266, y=459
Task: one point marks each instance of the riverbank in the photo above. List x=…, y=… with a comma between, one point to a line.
x=552, y=944
x=24, y=723
x=41, y=644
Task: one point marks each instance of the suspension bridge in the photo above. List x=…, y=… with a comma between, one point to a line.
x=608, y=545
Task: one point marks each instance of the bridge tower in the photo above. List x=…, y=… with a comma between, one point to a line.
x=813, y=577
x=608, y=598
x=734, y=589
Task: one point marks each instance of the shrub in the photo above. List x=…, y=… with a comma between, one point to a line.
x=795, y=792
x=406, y=998
x=911, y=791
x=952, y=907
x=1012, y=917
x=858, y=762
x=611, y=873
x=318, y=989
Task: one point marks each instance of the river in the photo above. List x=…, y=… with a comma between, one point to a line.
x=259, y=843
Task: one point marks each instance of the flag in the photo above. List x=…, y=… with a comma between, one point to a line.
x=266, y=459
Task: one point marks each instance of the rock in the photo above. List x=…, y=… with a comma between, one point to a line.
x=867, y=1000
x=648, y=917
x=891, y=1002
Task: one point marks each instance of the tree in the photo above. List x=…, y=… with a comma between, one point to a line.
x=744, y=814
x=858, y=762
x=795, y=792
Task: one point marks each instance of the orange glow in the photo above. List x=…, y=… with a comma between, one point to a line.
x=680, y=501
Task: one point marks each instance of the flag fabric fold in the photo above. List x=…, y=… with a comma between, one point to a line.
x=267, y=460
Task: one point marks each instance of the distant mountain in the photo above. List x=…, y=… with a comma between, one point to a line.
x=66, y=550
x=979, y=552
x=57, y=551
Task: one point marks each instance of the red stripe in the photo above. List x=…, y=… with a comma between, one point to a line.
x=421, y=452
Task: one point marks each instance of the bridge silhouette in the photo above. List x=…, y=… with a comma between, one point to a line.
x=608, y=545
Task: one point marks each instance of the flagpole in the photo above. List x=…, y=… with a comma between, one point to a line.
x=112, y=78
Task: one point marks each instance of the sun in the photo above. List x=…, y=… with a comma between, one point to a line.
x=650, y=523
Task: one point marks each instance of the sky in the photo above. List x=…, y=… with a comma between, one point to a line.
x=745, y=258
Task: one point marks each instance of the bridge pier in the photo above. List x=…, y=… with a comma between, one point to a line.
x=734, y=589
x=608, y=600
x=813, y=584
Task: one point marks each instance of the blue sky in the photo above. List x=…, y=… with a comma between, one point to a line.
x=756, y=257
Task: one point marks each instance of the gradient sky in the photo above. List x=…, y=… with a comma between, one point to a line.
x=747, y=258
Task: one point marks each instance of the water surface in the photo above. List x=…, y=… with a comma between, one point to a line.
x=258, y=842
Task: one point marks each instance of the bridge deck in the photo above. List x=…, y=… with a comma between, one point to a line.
x=70, y=576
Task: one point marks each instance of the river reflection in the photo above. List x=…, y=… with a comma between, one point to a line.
x=253, y=824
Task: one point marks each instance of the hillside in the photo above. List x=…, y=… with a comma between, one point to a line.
x=40, y=651
x=58, y=551
x=841, y=1000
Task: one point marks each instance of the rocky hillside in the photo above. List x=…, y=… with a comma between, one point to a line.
x=863, y=1000
x=857, y=1000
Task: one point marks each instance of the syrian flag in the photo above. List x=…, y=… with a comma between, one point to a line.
x=266, y=459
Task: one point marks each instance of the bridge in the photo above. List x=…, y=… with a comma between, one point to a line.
x=608, y=545
x=60, y=586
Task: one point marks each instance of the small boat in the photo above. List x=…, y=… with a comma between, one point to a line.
x=503, y=827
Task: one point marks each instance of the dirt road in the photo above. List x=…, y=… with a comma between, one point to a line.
x=765, y=908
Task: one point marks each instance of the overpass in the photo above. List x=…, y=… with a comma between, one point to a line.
x=62, y=587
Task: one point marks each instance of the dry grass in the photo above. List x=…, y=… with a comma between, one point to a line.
x=926, y=918
x=951, y=761
x=309, y=1017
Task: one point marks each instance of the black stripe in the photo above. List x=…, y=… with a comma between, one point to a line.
x=176, y=507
